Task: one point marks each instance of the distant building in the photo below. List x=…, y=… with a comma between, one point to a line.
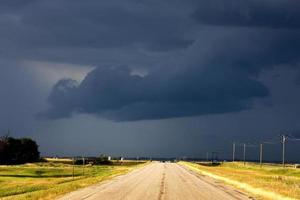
x=109, y=157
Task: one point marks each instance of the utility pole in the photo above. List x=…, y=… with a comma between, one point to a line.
x=261, y=154
x=207, y=156
x=283, y=149
x=233, y=152
x=83, y=162
x=244, y=153
x=73, y=168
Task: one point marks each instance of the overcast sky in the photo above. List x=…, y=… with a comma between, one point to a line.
x=150, y=78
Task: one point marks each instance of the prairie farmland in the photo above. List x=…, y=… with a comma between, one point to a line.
x=47, y=180
x=270, y=181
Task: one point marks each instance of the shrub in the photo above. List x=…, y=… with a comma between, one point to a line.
x=103, y=160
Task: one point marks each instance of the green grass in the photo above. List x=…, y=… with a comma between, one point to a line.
x=269, y=178
x=52, y=179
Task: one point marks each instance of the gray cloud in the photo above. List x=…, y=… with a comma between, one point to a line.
x=253, y=13
x=22, y=96
x=39, y=29
x=13, y=4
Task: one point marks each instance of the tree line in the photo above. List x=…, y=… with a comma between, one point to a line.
x=18, y=151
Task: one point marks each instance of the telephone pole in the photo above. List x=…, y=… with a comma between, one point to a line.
x=83, y=164
x=73, y=163
x=233, y=152
x=283, y=140
x=261, y=154
x=244, y=153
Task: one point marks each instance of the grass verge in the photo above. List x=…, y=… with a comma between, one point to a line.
x=50, y=180
x=269, y=182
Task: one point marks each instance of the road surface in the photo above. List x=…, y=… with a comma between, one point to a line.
x=158, y=181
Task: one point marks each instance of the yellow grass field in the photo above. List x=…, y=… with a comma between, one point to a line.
x=51, y=179
x=268, y=182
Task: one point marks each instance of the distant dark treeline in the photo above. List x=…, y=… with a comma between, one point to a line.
x=101, y=160
x=18, y=151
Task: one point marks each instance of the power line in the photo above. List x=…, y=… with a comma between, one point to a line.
x=293, y=138
x=271, y=141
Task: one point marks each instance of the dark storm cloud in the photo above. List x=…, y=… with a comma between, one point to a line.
x=215, y=70
x=253, y=50
x=256, y=13
x=118, y=95
x=223, y=82
x=13, y=4
x=201, y=58
x=35, y=28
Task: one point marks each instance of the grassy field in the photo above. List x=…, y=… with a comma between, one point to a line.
x=268, y=182
x=51, y=179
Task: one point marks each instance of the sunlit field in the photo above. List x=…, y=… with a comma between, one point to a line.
x=268, y=182
x=51, y=179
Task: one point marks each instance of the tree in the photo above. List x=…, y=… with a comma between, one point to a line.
x=18, y=151
x=103, y=160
